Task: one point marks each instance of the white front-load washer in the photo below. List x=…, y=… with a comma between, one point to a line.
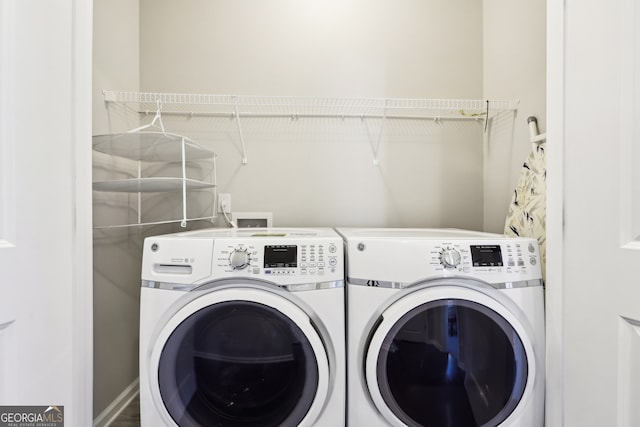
x=445, y=327
x=243, y=328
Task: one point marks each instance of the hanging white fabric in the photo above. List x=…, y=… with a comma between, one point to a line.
x=528, y=208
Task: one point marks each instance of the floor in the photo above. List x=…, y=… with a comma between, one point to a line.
x=130, y=416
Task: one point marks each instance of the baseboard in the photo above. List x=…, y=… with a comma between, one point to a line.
x=114, y=409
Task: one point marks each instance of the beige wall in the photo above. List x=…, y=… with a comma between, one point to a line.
x=116, y=253
x=320, y=172
x=335, y=48
x=514, y=64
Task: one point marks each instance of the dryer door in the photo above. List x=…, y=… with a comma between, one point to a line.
x=239, y=357
x=449, y=356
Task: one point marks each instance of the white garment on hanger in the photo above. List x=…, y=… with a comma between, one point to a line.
x=528, y=209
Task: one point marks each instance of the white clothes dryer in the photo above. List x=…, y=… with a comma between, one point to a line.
x=445, y=327
x=243, y=328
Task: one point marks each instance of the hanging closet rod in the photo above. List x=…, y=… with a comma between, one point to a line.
x=534, y=133
x=539, y=138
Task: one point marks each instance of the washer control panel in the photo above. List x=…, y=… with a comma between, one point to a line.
x=272, y=259
x=283, y=256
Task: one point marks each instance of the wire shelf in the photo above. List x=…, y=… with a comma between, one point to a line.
x=296, y=107
x=241, y=106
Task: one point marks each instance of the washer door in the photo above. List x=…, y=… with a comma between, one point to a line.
x=449, y=356
x=239, y=357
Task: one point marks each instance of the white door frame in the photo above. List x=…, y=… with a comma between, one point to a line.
x=82, y=67
x=555, y=214
x=80, y=407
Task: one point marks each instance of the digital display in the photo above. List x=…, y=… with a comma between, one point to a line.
x=281, y=256
x=486, y=256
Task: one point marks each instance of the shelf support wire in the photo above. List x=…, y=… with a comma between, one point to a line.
x=380, y=133
x=486, y=117
x=214, y=181
x=156, y=118
x=183, y=224
x=139, y=193
x=237, y=114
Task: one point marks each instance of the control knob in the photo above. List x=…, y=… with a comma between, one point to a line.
x=239, y=259
x=450, y=258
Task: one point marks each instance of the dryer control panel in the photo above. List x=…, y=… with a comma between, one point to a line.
x=404, y=256
x=509, y=255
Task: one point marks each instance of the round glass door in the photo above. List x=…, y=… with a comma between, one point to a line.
x=453, y=363
x=237, y=364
